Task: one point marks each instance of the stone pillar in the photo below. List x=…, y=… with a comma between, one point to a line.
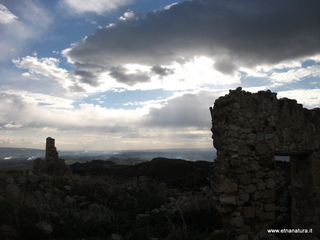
x=52, y=165
x=51, y=151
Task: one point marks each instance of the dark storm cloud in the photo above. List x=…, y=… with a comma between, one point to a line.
x=130, y=79
x=87, y=77
x=161, y=71
x=234, y=33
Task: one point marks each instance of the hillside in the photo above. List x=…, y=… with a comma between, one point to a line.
x=165, y=199
x=177, y=173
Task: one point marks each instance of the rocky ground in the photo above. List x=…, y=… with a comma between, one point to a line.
x=146, y=201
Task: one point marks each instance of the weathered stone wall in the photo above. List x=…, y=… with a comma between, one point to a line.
x=249, y=129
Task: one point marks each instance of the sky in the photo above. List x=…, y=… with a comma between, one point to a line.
x=142, y=74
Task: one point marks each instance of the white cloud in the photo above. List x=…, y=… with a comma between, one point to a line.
x=48, y=67
x=129, y=16
x=294, y=75
x=6, y=17
x=34, y=110
x=310, y=98
x=32, y=22
x=95, y=6
x=155, y=125
x=194, y=73
x=186, y=110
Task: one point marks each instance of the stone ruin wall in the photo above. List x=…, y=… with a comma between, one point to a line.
x=249, y=129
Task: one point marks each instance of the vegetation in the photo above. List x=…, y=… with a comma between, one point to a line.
x=118, y=203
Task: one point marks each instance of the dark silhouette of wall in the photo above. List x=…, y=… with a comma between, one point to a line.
x=249, y=129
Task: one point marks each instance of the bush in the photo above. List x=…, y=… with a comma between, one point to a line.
x=45, y=207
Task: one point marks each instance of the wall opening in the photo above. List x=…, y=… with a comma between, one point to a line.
x=303, y=203
x=283, y=193
x=293, y=191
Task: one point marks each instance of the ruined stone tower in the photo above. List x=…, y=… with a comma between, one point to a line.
x=51, y=151
x=53, y=164
x=249, y=129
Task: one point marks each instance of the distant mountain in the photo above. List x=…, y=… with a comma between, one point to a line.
x=21, y=153
x=17, y=158
x=188, y=154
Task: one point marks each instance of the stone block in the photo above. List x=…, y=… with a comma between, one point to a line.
x=237, y=222
x=256, y=196
x=270, y=136
x=244, y=151
x=228, y=200
x=261, y=148
x=249, y=212
x=260, y=174
x=250, y=188
x=270, y=183
x=267, y=216
x=255, y=181
x=224, y=209
x=268, y=129
x=251, y=136
x=266, y=161
x=239, y=170
x=283, y=209
x=272, y=174
x=271, y=207
x=250, y=142
x=261, y=186
x=267, y=194
x=235, y=161
x=260, y=137
x=225, y=185
x=244, y=179
x=235, y=214
x=246, y=130
x=272, y=146
x=244, y=197
x=253, y=166
x=243, y=237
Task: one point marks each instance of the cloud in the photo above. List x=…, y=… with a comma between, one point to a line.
x=29, y=23
x=95, y=6
x=295, y=74
x=86, y=77
x=158, y=124
x=310, y=98
x=233, y=34
x=162, y=71
x=48, y=67
x=25, y=110
x=6, y=17
x=120, y=74
x=190, y=110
